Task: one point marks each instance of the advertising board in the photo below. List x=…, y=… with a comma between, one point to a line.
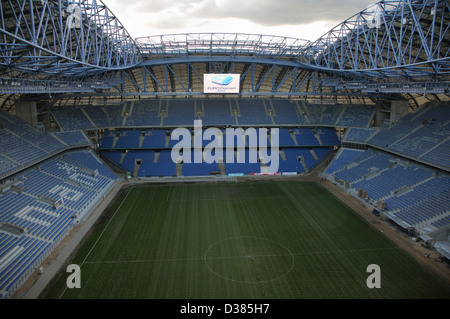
x=221, y=83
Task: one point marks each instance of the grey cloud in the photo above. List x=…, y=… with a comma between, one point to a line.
x=263, y=12
x=156, y=6
x=187, y=15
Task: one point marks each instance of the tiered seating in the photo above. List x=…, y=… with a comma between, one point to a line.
x=44, y=202
x=359, y=135
x=301, y=159
x=144, y=113
x=339, y=115
x=19, y=150
x=440, y=154
x=21, y=145
x=163, y=167
x=159, y=139
x=127, y=160
x=91, y=161
x=203, y=169
x=74, y=176
x=107, y=140
x=252, y=111
x=329, y=114
x=421, y=135
x=426, y=137
x=180, y=112
x=441, y=222
x=419, y=193
x=326, y=114
x=114, y=116
x=154, y=139
x=430, y=208
x=128, y=139
x=327, y=136
x=98, y=115
x=356, y=115
x=152, y=163
x=6, y=164
x=285, y=112
x=367, y=163
x=105, y=116
x=73, y=138
x=176, y=112
x=421, y=140
x=285, y=138
x=305, y=137
x=153, y=147
x=217, y=112
x=244, y=166
x=416, y=194
x=384, y=138
x=71, y=118
x=26, y=132
x=321, y=153
x=199, y=169
x=17, y=256
x=290, y=164
x=391, y=179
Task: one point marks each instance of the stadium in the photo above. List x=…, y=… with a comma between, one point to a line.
x=219, y=165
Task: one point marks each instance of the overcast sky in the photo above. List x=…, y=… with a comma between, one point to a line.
x=303, y=19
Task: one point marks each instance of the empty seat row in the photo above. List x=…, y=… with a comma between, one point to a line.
x=411, y=191
x=176, y=112
x=42, y=205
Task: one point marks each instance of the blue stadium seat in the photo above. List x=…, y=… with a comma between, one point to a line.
x=412, y=192
x=419, y=135
x=78, y=177
x=252, y=111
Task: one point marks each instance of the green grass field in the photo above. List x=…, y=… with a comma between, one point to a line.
x=277, y=240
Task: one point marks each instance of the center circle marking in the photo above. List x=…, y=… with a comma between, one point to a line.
x=250, y=260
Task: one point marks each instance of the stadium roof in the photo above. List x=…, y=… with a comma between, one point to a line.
x=62, y=38
x=82, y=41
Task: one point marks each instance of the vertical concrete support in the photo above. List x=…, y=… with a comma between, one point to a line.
x=398, y=109
x=27, y=112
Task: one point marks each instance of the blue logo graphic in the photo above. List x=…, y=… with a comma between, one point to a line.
x=222, y=79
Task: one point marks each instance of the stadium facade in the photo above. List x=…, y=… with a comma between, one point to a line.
x=84, y=105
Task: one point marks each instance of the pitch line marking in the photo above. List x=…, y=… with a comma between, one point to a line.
x=234, y=257
x=168, y=194
x=104, y=229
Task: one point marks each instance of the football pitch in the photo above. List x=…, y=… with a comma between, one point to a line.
x=271, y=239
